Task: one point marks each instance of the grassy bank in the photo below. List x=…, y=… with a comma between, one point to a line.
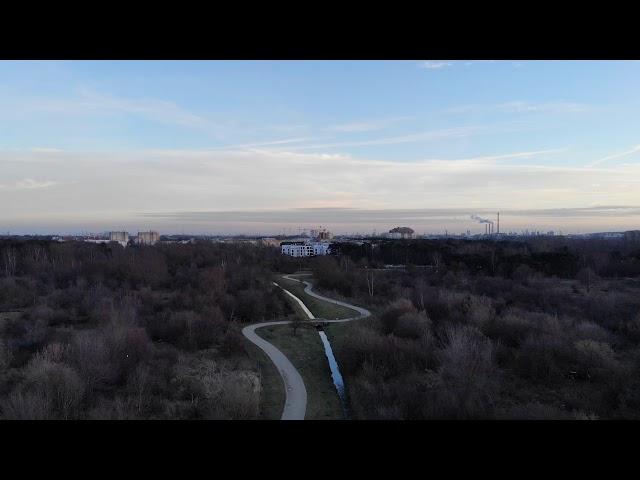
x=306, y=352
x=319, y=308
x=272, y=395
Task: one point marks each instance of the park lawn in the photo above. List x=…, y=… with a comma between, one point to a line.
x=319, y=308
x=306, y=352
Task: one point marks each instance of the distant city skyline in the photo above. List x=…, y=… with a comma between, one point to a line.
x=257, y=147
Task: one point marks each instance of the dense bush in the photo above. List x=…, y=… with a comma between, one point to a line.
x=103, y=331
x=531, y=330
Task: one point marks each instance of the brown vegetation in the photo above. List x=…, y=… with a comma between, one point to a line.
x=497, y=331
x=143, y=332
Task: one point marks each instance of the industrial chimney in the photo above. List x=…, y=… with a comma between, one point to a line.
x=498, y=223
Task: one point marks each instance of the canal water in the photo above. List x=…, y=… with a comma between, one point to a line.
x=336, y=376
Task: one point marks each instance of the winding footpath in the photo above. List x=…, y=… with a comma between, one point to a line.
x=295, y=404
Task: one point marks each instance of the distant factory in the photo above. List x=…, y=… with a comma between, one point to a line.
x=488, y=224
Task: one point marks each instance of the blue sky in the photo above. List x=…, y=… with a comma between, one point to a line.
x=100, y=145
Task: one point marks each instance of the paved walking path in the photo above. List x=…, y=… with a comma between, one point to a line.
x=295, y=404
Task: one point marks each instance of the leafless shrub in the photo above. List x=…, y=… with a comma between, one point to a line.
x=26, y=405
x=90, y=355
x=632, y=328
x=467, y=377
x=540, y=357
x=512, y=327
x=413, y=325
x=139, y=382
x=6, y=355
x=580, y=415
x=120, y=408
x=523, y=274
x=389, y=317
x=53, y=353
x=478, y=310
x=36, y=333
x=595, y=359
x=586, y=277
x=466, y=352
x=534, y=411
x=50, y=390
x=590, y=331
x=127, y=347
x=219, y=393
x=43, y=312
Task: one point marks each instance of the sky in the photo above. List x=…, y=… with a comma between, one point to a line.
x=268, y=147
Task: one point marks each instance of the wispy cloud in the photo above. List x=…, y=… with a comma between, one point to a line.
x=268, y=180
x=477, y=62
x=631, y=151
x=46, y=150
x=519, y=106
x=437, y=65
x=286, y=141
x=27, y=184
x=553, y=107
x=365, y=125
x=90, y=102
x=151, y=109
x=429, y=135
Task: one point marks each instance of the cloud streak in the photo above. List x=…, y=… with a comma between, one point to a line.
x=519, y=106
x=429, y=135
x=365, y=125
x=430, y=65
x=27, y=184
x=106, y=187
x=626, y=153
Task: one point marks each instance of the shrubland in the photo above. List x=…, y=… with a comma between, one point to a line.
x=103, y=332
x=490, y=330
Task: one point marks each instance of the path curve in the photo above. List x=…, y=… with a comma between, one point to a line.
x=308, y=289
x=295, y=404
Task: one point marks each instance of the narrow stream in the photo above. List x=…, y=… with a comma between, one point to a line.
x=336, y=376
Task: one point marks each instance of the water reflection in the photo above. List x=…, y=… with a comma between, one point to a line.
x=335, y=373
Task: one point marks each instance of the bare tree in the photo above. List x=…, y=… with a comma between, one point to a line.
x=420, y=288
x=10, y=261
x=369, y=276
x=436, y=260
x=586, y=276
x=139, y=381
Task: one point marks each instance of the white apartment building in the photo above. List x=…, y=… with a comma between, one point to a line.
x=320, y=248
x=305, y=249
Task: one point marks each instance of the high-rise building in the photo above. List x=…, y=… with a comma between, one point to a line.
x=119, y=236
x=321, y=234
x=148, y=238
